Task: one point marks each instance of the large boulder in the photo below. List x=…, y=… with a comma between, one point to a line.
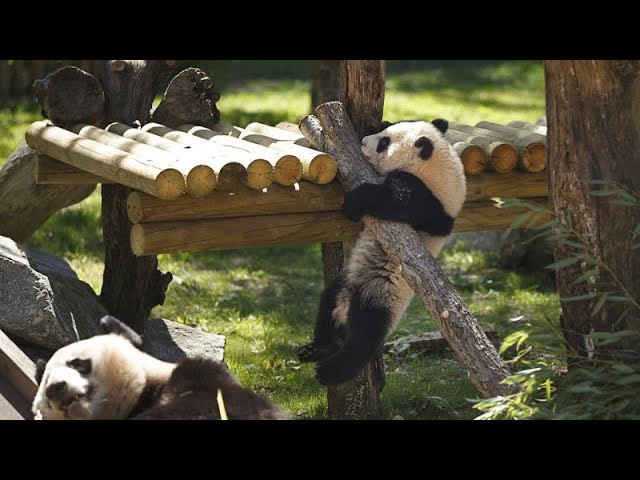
x=42, y=300
x=172, y=342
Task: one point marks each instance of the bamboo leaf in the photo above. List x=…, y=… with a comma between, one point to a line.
x=628, y=379
x=576, y=298
x=585, y=276
x=603, y=193
x=599, y=304
x=565, y=262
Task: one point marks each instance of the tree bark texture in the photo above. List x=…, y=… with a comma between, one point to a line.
x=362, y=92
x=24, y=206
x=132, y=285
x=593, y=114
x=421, y=271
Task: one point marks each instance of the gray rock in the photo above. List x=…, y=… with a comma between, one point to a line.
x=42, y=300
x=172, y=342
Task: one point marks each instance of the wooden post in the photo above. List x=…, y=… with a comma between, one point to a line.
x=362, y=93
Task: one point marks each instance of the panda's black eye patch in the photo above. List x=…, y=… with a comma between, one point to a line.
x=83, y=366
x=383, y=144
x=426, y=147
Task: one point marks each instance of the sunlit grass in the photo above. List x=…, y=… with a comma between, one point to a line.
x=264, y=300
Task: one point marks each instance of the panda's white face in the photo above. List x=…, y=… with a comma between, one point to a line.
x=98, y=378
x=404, y=144
x=421, y=149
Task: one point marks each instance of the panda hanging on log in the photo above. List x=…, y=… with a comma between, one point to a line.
x=424, y=186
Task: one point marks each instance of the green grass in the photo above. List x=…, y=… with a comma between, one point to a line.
x=264, y=300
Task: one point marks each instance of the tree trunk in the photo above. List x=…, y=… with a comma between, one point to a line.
x=131, y=285
x=362, y=92
x=593, y=119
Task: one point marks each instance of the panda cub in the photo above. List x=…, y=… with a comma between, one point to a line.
x=107, y=377
x=424, y=186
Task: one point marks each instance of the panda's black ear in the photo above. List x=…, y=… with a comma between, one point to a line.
x=111, y=324
x=385, y=124
x=40, y=366
x=441, y=124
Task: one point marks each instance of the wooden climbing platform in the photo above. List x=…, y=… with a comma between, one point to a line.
x=232, y=187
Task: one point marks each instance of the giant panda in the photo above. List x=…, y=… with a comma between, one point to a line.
x=424, y=186
x=107, y=377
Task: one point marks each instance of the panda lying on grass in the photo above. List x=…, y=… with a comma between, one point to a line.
x=107, y=377
x=425, y=187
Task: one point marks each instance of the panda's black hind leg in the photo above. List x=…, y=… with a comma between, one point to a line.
x=367, y=328
x=326, y=340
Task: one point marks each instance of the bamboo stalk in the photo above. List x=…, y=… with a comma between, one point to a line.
x=502, y=157
x=259, y=171
x=529, y=127
x=105, y=161
x=474, y=158
x=531, y=147
x=287, y=167
x=200, y=179
x=308, y=197
x=241, y=232
x=49, y=171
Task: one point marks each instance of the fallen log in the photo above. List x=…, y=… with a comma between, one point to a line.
x=24, y=205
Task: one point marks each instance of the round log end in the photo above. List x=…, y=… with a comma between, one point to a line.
x=170, y=184
x=473, y=157
x=231, y=177
x=260, y=174
x=534, y=157
x=134, y=207
x=201, y=180
x=288, y=170
x=136, y=238
x=503, y=157
x=322, y=169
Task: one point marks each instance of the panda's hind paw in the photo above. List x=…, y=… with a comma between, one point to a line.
x=307, y=353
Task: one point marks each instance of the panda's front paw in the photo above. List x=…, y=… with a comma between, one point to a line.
x=353, y=205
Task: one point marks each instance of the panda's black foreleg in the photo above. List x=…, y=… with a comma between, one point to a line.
x=326, y=335
x=367, y=328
